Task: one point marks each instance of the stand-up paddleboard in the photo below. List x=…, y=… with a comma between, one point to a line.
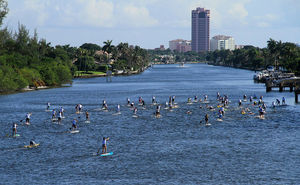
x=259, y=117
x=207, y=124
x=87, y=121
x=47, y=110
x=106, y=154
x=175, y=106
x=244, y=100
x=74, y=131
x=54, y=119
x=115, y=114
x=135, y=116
x=31, y=146
x=16, y=135
x=219, y=119
x=190, y=103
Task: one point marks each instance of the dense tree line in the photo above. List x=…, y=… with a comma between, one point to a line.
x=26, y=60
x=164, y=56
x=29, y=61
x=284, y=55
x=92, y=57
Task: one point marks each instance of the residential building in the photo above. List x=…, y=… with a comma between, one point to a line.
x=161, y=48
x=220, y=42
x=180, y=45
x=200, y=29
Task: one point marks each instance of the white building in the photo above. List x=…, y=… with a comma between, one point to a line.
x=220, y=42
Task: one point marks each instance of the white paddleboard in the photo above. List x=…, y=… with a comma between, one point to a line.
x=74, y=131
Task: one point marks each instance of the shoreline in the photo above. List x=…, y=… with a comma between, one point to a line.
x=28, y=89
x=105, y=75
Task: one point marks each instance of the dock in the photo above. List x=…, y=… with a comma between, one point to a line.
x=282, y=84
x=292, y=83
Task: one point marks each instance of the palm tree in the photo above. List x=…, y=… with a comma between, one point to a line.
x=107, y=46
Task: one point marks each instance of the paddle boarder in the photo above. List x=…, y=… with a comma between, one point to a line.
x=14, y=128
x=87, y=116
x=48, y=105
x=74, y=126
x=31, y=143
x=283, y=101
x=27, y=122
x=104, y=145
x=206, y=119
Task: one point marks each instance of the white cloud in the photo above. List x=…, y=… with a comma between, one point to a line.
x=271, y=17
x=263, y=24
x=136, y=16
x=96, y=13
x=38, y=8
x=239, y=12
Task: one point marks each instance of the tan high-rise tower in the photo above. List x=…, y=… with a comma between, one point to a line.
x=200, y=29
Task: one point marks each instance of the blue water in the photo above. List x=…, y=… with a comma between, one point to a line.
x=174, y=149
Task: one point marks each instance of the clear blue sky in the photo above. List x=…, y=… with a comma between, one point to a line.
x=150, y=23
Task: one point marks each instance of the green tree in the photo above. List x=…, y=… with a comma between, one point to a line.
x=3, y=10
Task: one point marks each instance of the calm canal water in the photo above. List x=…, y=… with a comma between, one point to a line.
x=174, y=149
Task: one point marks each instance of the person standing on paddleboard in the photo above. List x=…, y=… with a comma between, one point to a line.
x=53, y=114
x=59, y=117
x=104, y=146
x=48, y=105
x=118, y=108
x=87, y=116
x=14, y=129
x=206, y=119
x=74, y=126
x=62, y=111
x=28, y=118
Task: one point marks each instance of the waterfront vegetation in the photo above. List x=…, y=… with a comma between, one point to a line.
x=169, y=56
x=282, y=55
x=27, y=61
